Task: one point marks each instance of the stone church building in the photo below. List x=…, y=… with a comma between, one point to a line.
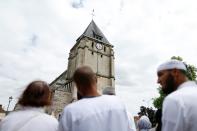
x=92, y=49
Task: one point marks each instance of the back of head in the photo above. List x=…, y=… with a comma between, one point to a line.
x=84, y=77
x=109, y=91
x=37, y=94
x=144, y=123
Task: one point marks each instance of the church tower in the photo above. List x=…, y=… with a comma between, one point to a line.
x=91, y=49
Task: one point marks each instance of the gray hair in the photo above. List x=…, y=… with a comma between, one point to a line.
x=109, y=91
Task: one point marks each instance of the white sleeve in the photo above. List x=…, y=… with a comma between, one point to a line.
x=172, y=115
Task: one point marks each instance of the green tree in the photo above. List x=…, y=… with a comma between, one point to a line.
x=191, y=74
x=157, y=102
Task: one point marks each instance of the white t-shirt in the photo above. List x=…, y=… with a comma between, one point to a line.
x=180, y=109
x=102, y=113
x=29, y=119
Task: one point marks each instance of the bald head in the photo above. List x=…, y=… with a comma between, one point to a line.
x=84, y=77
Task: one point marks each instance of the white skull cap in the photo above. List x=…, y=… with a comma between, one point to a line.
x=172, y=64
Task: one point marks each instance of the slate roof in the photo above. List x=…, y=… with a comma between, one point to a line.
x=93, y=31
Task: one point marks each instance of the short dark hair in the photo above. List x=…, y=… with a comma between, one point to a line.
x=36, y=94
x=84, y=76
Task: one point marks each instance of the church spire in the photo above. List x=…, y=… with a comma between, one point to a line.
x=92, y=31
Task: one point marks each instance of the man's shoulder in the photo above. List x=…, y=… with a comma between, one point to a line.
x=96, y=102
x=173, y=97
x=183, y=93
x=72, y=105
x=181, y=96
x=111, y=99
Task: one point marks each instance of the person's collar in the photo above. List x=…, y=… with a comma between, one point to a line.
x=83, y=97
x=187, y=84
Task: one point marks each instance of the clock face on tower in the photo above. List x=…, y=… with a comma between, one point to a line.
x=99, y=46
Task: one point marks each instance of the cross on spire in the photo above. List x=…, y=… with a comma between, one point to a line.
x=92, y=13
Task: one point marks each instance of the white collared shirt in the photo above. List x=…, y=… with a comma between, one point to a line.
x=180, y=109
x=29, y=119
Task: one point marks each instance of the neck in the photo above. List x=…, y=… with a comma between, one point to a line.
x=91, y=92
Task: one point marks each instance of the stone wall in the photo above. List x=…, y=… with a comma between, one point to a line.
x=60, y=100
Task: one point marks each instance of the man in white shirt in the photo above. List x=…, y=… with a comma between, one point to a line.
x=93, y=112
x=179, y=112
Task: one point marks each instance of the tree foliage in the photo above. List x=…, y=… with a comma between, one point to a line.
x=191, y=69
x=157, y=102
x=191, y=74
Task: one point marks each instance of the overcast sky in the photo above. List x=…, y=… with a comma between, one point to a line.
x=36, y=36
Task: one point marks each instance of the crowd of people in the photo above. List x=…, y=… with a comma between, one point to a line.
x=106, y=112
